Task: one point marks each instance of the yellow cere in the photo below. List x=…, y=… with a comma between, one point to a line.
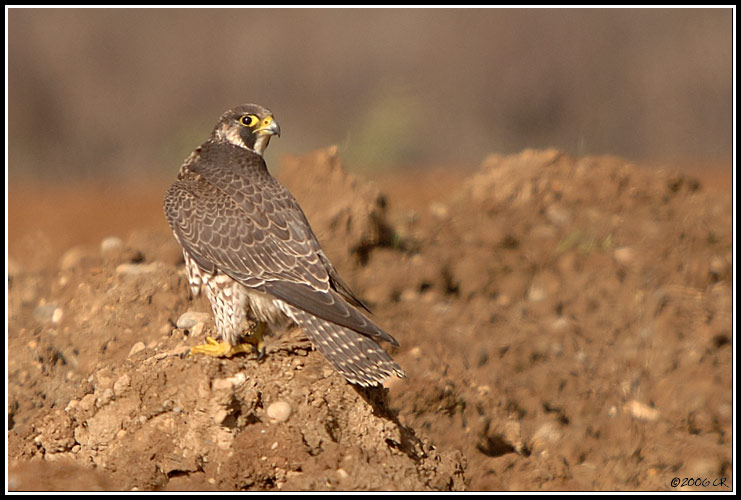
x=267, y=122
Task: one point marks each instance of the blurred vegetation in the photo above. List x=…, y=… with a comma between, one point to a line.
x=128, y=93
x=389, y=131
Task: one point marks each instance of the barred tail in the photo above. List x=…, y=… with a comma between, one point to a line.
x=357, y=357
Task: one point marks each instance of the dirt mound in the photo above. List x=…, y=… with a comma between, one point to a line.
x=577, y=324
x=564, y=324
x=158, y=421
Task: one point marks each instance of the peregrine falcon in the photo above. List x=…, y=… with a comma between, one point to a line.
x=249, y=246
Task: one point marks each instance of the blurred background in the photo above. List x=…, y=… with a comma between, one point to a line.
x=104, y=104
x=123, y=94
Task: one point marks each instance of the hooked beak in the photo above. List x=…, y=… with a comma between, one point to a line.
x=268, y=127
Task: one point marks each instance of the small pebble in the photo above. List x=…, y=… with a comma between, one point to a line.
x=45, y=313
x=642, y=411
x=139, y=346
x=56, y=316
x=624, y=255
x=220, y=416
x=228, y=383
x=536, y=293
x=560, y=324
x=190, y=319
x=279, y=411
x=111, y=244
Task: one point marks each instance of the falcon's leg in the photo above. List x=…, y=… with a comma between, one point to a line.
x=228, y=303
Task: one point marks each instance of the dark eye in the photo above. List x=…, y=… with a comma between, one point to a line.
x=249, y=120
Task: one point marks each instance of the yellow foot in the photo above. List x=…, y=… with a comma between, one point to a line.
x=217, y=349
x=254, y=342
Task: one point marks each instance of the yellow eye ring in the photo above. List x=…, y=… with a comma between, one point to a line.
x=249, y=120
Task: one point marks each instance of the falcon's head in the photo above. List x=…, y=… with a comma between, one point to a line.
x=249, y=126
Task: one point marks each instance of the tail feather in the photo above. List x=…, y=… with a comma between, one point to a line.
x=356, y=356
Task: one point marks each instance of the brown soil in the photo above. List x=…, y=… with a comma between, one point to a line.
x=565, y=324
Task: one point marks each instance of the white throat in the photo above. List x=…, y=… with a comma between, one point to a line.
x=232, y=136
x=261, y=143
